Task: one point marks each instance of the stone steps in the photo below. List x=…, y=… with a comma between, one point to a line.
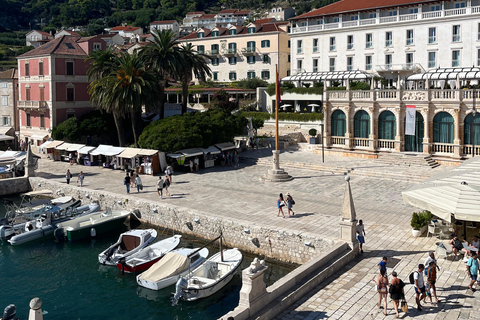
x=408, y=159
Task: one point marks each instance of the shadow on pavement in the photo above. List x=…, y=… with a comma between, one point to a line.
x=299, y=215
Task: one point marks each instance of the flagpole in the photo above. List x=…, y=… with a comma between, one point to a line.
x=276, y=107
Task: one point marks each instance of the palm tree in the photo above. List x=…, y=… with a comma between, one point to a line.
x=162, y=55
x=127, y=88
x=193, y=63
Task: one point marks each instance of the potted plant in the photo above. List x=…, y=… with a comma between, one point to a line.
x=313, y=135
x=420, y=221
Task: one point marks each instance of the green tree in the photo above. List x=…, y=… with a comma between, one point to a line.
x=192, y=63
x=67, y=130
x=221, y=100
x=163, y=57
x=252, y=83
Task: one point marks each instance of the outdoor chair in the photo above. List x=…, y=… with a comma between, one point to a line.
x=443, y=249
x=433, y=229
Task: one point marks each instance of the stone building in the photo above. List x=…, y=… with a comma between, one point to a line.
x=9, y=124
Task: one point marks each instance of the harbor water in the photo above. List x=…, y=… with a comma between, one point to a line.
x=73, y=285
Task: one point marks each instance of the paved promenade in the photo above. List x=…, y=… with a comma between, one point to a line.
x=318, y=192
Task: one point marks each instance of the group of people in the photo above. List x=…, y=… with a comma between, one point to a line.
x=132, y=180
x=470, y=251
x=80, y=177
x=288, y=202
x=230, y=158
x=194, y=165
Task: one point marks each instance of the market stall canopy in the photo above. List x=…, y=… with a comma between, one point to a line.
x=113, y=151
x=8, y=131
x=444, y=200
x=85, y=149
x=211, y=150
x=4, y=137
x=225, y=146
x=100, y=149
x=54, y=144
x=175, y=155
x=147, y=152
x=74, y=147
x=191, y=152
x=39, y=136
x=17, y=155
x=6, y=161
x=129, y=153
x=45, y=144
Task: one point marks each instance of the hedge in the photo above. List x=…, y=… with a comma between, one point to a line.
x=300, y=117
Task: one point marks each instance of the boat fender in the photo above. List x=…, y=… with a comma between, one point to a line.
x=59, y=234
x=93, y=233
x=10, y=312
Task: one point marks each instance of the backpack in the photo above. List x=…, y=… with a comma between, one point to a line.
x=411, y=277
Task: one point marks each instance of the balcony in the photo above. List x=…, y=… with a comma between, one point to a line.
x=399, y=67
x=213, y=52
x=249, y=51
x=230, y=52
x=21, y=104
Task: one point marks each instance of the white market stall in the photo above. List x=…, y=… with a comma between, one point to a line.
x=52, y=152
x=84, y=155
x=143, y=161
x=210, y=154
x=97, y=154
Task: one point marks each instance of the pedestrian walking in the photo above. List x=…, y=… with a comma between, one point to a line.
x=419, y=285
x=472, y=269
x=236, y=158
x=138, y=183
x=169, y=173
x=166, y=184
x=430, y=258
x=396, y=292
x=132, y=179
x=68, y=176
x=190, y=164
x=196, y=163
x=383, y=264
x=382, y=283
x=160, y=184
x=126, y=182
x=80, y=178
x=280, y=205
x=361, y=234
x=70, y=157
x=290, y=203
x=431, y=280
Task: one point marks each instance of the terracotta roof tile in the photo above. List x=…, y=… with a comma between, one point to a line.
x=65, y=45
x=266, y=27
x=197, y=12
x=262, y=21
x=43, y=33
x=207, y=16
x=164, y=22
x=228, y=11
x=240, y=12
x=9, y=74
x=354, y=6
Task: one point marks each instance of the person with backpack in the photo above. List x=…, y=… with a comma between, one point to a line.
x=382, y=283
x=472, y=269
x=416, y=278
x=290, y=203
x=396, y=292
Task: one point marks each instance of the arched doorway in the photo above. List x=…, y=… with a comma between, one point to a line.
x=361, y=124
x=468, y=134
x=338, y=123
x=386, y=125
x=415, y=143
x=443, y=128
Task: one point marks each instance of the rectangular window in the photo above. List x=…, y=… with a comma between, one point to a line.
x=4, y=101
x=215, y=76
x=250, y=74
x=70, y=94
x=478, y=32
x=251, y=59
x=413, y=10
x=368, y=62
x=251, y=46
x=459, y=5
x=232, y=60
x=232, y=47
x=214, y=48
x=29, y=124
x=349, y=42
x=27, y=94
x=42, y=121
x=315, y=65
x=265, y=58
x=214, y=33
x=409, y=37
x=201, y=49
x=299, y=46
x=69, y=68
x=478, y=57
x=368, y=40
x=27, y=70
x=299, y=65
x=6, y=120
x=215, y=61
x=40, y=68
x=4, y=84
x=332, y=64
x=349, y=63
x=200, y=35
x=432, y=59
x=41, y=95
x=265, y=43
x=392, y=13
x=432, y=35
x=409, y=58
x=232, y=76
x=388, y=60
x=372, y=15
x=435, y=8
x=456, y=33
x=332, y=43
x=251, y=30
x=456, y=58
x=315, y=45
x=388, y=39
x=232, y=31
x=288, y=44
x=97, y=46
x=265, y=75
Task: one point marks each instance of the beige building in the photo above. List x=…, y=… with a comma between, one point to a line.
x=8, y=107
x=240, y=52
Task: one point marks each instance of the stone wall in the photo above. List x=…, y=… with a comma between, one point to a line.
x=14, y=185
x=280, y=244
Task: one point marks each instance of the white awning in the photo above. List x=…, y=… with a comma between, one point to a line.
x=74, y=147
x=211, y=150
x=4, y=137
x=113, y=151
x=85, y=150
x=63, y=146
x=39, y=136
x=129, y=153
x=45, y=144
x=330, y=75
x=468, y=73
x=7, y=161
x=175, y=155
x=100, y=149
x=191, y=152
x=225, y=146
x=54, y=144
x=8, y=131
x=147, y=152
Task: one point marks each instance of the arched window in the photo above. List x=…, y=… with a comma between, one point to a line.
x=386, y=125
x=361, y=124
x=468, y=134
x=338, y=123
x=443, y=128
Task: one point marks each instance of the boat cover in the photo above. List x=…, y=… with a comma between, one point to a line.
x=170, y=265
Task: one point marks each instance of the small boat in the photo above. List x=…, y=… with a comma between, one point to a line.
x=91, y=225
x=146, y=257
x=88, y=208
x=172, y=266
x=209, y=277
x=128, y=243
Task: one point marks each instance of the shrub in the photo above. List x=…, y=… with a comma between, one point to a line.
x=300, y=117
x=312, y=132
x=420, y=219
x=252, y=83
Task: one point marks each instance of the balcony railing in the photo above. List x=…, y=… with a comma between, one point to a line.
x=385, y=144
x=361, y=142
x=467, y=149
x=32, y=104
x=249, y=50
x=338, y=141
x=432, y=39
x=231, y=52
x=299, y=50
x=442, y=147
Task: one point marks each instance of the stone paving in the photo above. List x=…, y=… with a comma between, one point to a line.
x=239, y=193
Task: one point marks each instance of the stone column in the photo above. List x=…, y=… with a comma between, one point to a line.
x=348, y=223
x=30, y=162
x=348, y=130
x=456, y=138
x=398, y=134
x=254, y=290
x=372, y=136
x=276, y=174
x=35, y=309
x=427, y=139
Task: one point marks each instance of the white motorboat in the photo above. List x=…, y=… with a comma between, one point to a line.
x=146, y=257
x=128, y=243
x=172, y=266
x=209, y=277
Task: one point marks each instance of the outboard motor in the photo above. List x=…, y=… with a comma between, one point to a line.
x=10, y=312
x=180, y=288
x=109, y=254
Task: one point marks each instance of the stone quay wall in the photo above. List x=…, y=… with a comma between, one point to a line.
x=14, y=185
x=280, y=244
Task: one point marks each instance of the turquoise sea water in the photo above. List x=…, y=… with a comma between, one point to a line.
x=73, y=285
